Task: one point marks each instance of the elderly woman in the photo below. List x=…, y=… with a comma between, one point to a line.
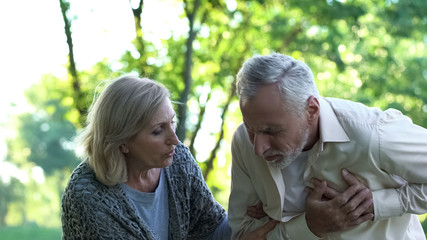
x=137, y=181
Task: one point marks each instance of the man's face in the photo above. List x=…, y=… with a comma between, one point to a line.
x=278, y=136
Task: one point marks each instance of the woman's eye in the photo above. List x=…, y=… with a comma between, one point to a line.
x=157, y=132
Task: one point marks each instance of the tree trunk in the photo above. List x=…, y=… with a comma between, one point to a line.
x=78, y=95
x=212, y=156
x=139, y=40
x=198, y=125
x=182, y=107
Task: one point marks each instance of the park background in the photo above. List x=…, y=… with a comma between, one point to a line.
x=53, y=54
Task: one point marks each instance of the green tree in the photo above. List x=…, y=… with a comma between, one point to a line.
x=11, y=191
x=369, y=51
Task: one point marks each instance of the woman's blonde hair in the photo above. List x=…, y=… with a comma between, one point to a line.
x=122, y=109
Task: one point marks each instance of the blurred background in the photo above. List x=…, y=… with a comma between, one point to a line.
x=53, y=54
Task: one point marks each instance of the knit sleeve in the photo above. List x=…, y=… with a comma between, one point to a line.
x=206, y=211
x=91, y=210
x=198, y=212
x=78, y=217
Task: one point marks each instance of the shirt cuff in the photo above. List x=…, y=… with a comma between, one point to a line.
x=386, y=204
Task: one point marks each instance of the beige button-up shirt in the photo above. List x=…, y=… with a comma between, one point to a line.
x=383, y=148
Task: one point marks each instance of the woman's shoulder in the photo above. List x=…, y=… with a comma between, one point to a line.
x=183, y=160
x=82, y=174
x=83, y=183
x=182, y=153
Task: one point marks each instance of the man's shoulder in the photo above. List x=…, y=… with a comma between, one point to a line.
x=355, y=112
x=240, y=132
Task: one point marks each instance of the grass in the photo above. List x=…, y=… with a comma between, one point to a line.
x=30, y=233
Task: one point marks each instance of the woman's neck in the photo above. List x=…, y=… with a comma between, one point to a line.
x=144, y=181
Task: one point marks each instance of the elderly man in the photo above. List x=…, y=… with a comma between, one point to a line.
x=293, y=141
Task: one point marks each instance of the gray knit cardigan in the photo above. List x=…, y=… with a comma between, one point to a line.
x=91, y=210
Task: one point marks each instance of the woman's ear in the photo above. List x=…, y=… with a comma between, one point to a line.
x=124, y=148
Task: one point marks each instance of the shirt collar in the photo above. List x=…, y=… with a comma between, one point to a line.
x=329, y=127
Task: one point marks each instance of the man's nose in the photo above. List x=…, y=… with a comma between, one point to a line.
x=261, y=143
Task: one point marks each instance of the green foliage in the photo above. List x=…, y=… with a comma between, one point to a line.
x=46, y=134
x=361, y=50
x=48, y=139
x=424, y=224
x=369, y=51
x=12, y=191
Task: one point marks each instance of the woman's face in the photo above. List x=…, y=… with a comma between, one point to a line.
x=153, y=146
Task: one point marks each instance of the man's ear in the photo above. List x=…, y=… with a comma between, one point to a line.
x=313, y=108
x=124, y=148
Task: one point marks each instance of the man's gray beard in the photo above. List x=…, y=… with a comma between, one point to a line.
x=289, y=157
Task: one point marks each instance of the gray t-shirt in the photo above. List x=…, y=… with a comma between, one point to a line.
x=293, y=177
x=152, y=208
